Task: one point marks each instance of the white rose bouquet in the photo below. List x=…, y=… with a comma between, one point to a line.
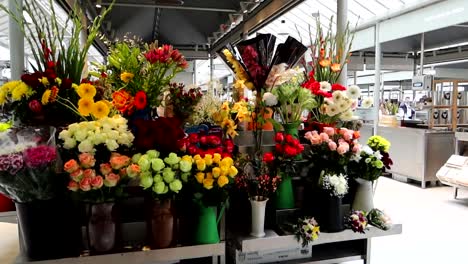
x=335, y=184
x=112, y=132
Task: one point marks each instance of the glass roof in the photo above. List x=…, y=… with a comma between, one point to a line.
x=299, y=21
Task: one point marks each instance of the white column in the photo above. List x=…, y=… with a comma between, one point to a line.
x=16, y=40
x=421, y=60
x=341, y=21
x=378, y=55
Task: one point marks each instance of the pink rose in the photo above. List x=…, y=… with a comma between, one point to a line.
x=316, y=140
x=332, y=145
x=341, y=141
x=89, y=173
x=119, y=161
x=324, y=137
x=314, y=133
x=76, y=175
x=87, y=160
x=356, y=148
x=308, y=135
x=345, y=144
x=97, y=182
x=341, y=149
x=343, y=131
x=348, y=136
x=73, y=186
x=85, y=184
x=330, y=131
x=105, y=168
x=71, y=166
x=133, y=170
x=111, y=180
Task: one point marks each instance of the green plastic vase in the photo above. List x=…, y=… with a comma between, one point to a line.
x=292, y=129
x=207, y=229
x=284, y=193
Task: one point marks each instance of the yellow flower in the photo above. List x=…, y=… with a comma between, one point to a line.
x=209, y=175
x=126, y=77
x=197, y=157
x=232, y=172
x=46, y=97
x=225, y=106
x=208, y=159
x=250, y=85
x=44, y=81
x=232, y=132
x=224, y=170
x=100, y=109
x=85, y=106
x=208, y=183
x=200, y=177
x=3, y=98
x=216, y=158
x=216, y=172
x=58, y=81
x=228, y=162
x=201, y=164
x=21, y=90
x=222, y=180
x=9, y=86
x=188, y=158
x=239, y=84
x=86, y=90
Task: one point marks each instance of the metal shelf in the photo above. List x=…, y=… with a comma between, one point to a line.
x=144, y=257
x=274, y=241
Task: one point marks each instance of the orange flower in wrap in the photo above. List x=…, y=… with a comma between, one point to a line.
x=122, y=101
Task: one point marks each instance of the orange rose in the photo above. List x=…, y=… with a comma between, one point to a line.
x=105, y=168
x=71, y=166
x=87, y=160
x=76, y=175
x=111, y=180
x=89, y=173
x=118, y=162
x=85, y=184
x=356, y=134
x=133, y=170
x=325, y=63
x=122, y=101
x=73, y=186
x=97, y=182
x=335, y=67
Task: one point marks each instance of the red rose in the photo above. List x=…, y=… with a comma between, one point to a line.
x=338, y=87
x=182, y=144
x=300, y=148
x=290, y=151
x=193, y=138
x=279, y=148
x=279, y=137
x=35, y=106
x=192, y=149
x=140, y=100
x=289, y=139
x=203, y=140
x=268, y=157
x=214, y=140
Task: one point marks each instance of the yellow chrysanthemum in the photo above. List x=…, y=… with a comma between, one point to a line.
x=21, y=90
x=3, y=97
x=86, y=90
x=8, y=87
x=46, y=97
x=222, y=181
x=208, y=183
x=100, y=110
x=126, y=77
x=85, y=106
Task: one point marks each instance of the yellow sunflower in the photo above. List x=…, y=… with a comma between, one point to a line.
x=100, y=109
x=86, y=90
x=126, y=77
x=46, y=97
x=85, y=106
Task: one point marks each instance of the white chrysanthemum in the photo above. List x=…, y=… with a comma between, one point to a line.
x=366, y=149
x=119, y=120
x=100, y=138
x=270, y=99
x=366, y=103
x=112, y=144
x=353, y=92
x=326, y=86
x=73, y=128
x=64, y=135
x=86, y=146
x=378, y=155
x=332, y=110
x=113, y=134
x=356, y=157
x=69, y=143
x=338, y=96
x=81, y=135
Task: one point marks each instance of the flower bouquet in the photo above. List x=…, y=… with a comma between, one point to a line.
x=379, y=219
x=231, y=115
x=335, y=187
x=180, y=102
x=366, y=167
x=307, y=230
x=357, y=221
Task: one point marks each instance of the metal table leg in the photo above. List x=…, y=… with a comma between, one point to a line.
x=367, y=258
x=455, y=192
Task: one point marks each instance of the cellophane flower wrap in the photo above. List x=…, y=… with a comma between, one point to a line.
x=28, y=164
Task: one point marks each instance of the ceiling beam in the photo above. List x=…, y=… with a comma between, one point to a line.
x=191, y=8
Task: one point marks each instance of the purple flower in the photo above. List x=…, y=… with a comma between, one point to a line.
x=39, y=156
x=11, y=163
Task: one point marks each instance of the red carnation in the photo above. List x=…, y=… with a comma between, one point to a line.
x=279, y=137
x=290, y=151
x=289, y=139
x=323, y=93
x=140, y=100
x=268, y=157
x=338, y=87
x=278, y=148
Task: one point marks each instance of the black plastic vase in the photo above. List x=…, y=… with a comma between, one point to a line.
x=332, y=215
x=48, y=230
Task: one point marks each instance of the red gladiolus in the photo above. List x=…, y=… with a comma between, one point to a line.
x=268, y=157
x=279, y=137
x=140, y=100
x=338, y=87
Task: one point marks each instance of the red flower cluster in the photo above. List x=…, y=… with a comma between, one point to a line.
x=206, y=144
x=286, y=147
x=125, y=103
x=39, y=156
x=314, y=87
x=166, y=54
x=256, y=71
x=162, y=134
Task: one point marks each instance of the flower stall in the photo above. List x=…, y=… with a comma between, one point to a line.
x=139, y=168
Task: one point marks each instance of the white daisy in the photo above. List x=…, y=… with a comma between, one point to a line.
x=338, y=96
x=353, y=92
x=368, y=102
x=347, y=116
x=332, y=110
x=326, y=86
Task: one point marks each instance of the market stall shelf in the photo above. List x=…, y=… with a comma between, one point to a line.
x=328, y=248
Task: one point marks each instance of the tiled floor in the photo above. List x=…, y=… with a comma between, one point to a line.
x=435, y=226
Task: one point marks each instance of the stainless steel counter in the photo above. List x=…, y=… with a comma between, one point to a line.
x=416, y=153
